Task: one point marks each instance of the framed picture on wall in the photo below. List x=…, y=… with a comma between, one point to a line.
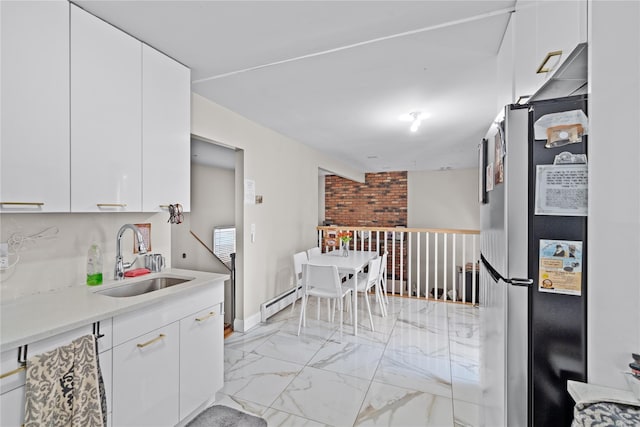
x=482, y=167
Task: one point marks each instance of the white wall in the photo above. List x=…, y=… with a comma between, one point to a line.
x=285, y=222
x=614, y=190
x=321, y=199
x=49, y=264
x=442, y=200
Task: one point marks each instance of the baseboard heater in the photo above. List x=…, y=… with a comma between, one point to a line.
x=271, y=307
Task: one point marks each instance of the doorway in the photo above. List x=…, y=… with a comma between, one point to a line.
x=213, y=188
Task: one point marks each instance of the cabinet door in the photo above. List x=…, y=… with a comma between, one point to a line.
x=12, y=408
x=166, y=131
x=34, y=166
x=146, y=378
x=541, y=28
x=106, y=98
x=505, y=68
x=201, y=358
x=106, y=368
x=526, y=60
x=561, y=25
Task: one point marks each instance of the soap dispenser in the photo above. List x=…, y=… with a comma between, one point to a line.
x=94, y=265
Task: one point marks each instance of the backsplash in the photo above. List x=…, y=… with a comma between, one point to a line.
x=49, y=263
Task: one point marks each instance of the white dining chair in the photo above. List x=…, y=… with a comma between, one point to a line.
x=382, y=279
x=298, y=260
x=381, y=284
x=364, y=283
x=322, y=281
x=314, y=251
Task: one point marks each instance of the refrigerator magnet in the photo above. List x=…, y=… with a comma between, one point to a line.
x=560, y=267
x=490, y=176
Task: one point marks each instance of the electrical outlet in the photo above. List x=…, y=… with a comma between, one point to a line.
x=4, y=255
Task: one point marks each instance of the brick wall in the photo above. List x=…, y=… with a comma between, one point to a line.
x=381, y=201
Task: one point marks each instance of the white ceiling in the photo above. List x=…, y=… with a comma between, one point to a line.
x=335, y=75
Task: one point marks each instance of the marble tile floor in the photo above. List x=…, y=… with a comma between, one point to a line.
x=419, y=368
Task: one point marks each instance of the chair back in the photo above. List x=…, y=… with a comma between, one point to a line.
x=314, y=251
x=298, y=261
x=324, y=277
x=373, y=272
x=383, y=266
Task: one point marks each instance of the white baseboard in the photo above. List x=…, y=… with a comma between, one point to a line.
x=241, y=325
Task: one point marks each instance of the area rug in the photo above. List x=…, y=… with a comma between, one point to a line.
x=223, y=416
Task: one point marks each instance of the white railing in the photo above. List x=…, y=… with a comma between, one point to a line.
x=439, y=264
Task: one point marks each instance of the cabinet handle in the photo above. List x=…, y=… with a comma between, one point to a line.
x=203, y=318
x=111, y=205
x=23, y=203
x=158, y=338
x=542, y=68
x=15, y=371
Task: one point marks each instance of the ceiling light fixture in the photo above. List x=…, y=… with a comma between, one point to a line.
x=415, y=117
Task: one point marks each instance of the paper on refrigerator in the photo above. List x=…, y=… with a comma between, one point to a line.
x=562, y=189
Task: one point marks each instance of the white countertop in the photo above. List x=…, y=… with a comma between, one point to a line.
x=35, y=317
x=584, y=392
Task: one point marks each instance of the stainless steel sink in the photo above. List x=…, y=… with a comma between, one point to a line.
x=144, y=286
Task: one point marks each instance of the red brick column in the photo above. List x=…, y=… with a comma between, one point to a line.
x=380, y=202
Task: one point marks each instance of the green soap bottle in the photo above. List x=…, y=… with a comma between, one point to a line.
x=94, y=265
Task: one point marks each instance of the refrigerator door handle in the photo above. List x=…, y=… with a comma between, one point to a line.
x=520, y=282
x=497, y=276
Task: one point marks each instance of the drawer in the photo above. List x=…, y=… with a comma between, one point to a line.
x=9, y=358
x=139, y=322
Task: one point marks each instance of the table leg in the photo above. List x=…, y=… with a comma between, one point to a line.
x=355, y=302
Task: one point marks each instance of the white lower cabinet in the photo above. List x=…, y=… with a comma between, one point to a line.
x=146, y=378
x=106, y=368
x=159, y=363
x=12, y=408
x=201, y=357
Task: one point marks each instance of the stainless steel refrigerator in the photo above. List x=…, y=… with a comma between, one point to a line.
x=533, y=189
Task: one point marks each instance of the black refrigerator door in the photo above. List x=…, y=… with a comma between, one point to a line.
x=557, y=322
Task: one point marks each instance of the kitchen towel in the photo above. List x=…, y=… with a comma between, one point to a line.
x=64, y=387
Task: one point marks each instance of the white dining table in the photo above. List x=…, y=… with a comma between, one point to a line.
x=352, y=264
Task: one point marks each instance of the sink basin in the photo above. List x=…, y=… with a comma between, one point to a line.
x=144, y=286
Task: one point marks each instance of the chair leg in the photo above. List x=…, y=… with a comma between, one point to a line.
x=302, y=312
x=383, y=288
x=293, y=304
x=341, y=316
x=380, y=301
x=366, y=298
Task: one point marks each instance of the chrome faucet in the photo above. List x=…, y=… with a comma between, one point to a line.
x=120, y=265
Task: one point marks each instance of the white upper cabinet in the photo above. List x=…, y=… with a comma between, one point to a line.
x=166, y=124
x=34, y=165
x=106, y=117
x=505, y=68
x=545, y=29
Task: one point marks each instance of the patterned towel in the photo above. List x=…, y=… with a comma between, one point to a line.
x=64, y=387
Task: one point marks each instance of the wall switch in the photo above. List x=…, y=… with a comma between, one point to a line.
x=253, y=233
x=4, y=255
